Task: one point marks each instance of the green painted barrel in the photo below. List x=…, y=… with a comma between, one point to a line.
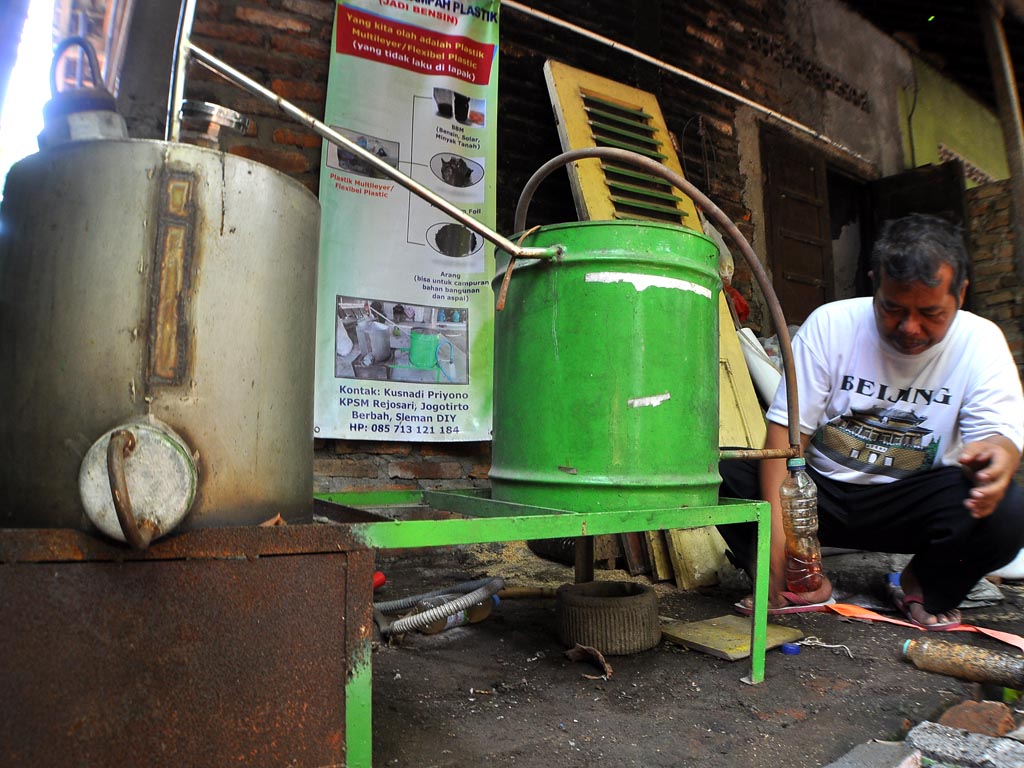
x=606, y=371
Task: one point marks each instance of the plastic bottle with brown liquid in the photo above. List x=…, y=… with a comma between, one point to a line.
x=471, y=615
x=966, y=662
x=799, y=497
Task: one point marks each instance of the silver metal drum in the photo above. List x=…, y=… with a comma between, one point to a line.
x=143, y=277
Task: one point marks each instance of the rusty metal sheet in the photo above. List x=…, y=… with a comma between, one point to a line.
x=65, y=544
x=227, y=661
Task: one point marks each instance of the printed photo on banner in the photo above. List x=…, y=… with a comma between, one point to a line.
x=405, y=307
x=388, y=341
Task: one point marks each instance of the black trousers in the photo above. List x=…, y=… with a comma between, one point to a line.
x=923, y=516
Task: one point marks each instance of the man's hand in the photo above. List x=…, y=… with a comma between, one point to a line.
x=990, y=464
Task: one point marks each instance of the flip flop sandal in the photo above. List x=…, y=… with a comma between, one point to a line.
x=797, y=604
x=903, y=602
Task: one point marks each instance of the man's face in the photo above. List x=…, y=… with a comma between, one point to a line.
x=914, y=317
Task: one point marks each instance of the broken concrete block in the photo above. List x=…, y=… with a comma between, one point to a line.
x=963, y=748
x=879, y=754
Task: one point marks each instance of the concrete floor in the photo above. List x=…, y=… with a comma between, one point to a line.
x=503, y=692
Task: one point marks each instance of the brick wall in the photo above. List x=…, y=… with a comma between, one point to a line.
x=995, y=282
x=285, y=45
x=712, y=39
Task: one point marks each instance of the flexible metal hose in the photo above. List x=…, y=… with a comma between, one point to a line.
x=404, y=603
x=481, y=589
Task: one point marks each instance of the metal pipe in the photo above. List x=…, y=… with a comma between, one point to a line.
x=108, y=59
x=185, y=48
x=228, y=72
x=684, y=74
x=177, y=91
x=730, y=454
x=657, y=169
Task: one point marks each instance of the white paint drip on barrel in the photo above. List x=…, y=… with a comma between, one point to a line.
x=652, y=401
x=643, y=282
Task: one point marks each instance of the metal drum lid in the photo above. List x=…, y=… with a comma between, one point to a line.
x=159, y=475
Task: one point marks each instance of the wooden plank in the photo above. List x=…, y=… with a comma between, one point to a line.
x=606, y=551
x=657, y=554
x=635, y=553
x=727, y=637
x=740, y=418
x=696, y=554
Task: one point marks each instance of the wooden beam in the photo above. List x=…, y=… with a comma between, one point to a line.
x=657, y=553
x=1008, y=102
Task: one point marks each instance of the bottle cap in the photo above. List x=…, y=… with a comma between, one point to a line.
x=796, y=463
x=790, y=649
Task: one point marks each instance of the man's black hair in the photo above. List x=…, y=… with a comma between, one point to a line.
x=913, y=248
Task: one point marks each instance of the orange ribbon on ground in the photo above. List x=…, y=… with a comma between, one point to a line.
x=856, y=612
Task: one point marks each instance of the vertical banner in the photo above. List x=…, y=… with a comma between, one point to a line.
x=404, y=347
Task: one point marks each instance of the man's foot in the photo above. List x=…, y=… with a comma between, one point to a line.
x=909, y=600
x=782, y=602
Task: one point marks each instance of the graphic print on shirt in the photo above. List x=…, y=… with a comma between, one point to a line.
x=882, y=441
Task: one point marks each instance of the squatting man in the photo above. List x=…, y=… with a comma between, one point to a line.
x=911, y=422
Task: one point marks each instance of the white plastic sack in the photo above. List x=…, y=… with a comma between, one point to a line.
x=765, y=375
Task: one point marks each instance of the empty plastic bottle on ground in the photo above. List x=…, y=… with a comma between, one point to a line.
x=799, y=497
x=967, y=662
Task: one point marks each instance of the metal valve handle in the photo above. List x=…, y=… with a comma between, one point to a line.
x=121, y=446
x=90, y=54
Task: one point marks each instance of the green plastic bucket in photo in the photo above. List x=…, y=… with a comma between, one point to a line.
x=606, y=370
x=423, y=347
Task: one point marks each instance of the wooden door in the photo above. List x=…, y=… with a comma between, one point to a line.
x=933, y=189
x=796, y=220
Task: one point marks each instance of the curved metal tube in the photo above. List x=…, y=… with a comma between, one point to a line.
x=657, y=169
x=120, y=447
x=90, y=54
x=450, y=608
x=326, y=132
x=404, y=603
x=186, y=48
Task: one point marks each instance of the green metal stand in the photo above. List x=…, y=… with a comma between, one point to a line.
x=488, y=520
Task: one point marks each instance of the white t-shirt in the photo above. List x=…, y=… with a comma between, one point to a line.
x=876, y=415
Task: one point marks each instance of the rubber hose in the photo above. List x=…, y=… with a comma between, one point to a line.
x=462, y=603
x=714, y=212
